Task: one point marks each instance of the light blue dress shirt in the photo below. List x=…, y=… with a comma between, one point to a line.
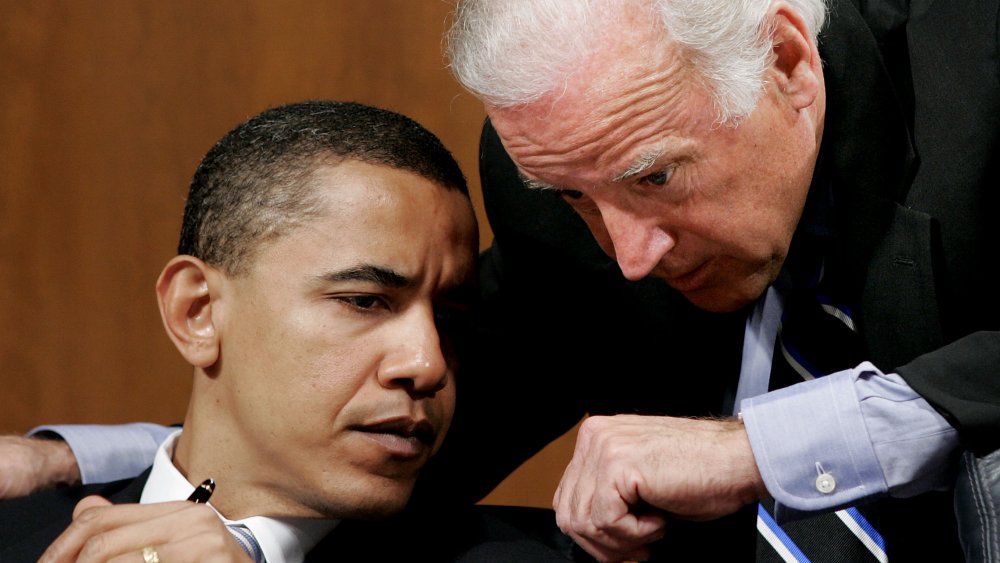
x=865, y=432
x=109, y=453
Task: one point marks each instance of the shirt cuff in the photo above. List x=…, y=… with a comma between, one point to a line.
x=812, y=446
x=110, y=452
x=916, y=447
x=831, y=442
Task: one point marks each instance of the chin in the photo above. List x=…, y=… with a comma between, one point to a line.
x=375, y=499
x=723, y=300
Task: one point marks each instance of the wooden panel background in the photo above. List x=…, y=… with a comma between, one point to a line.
x=106, y=107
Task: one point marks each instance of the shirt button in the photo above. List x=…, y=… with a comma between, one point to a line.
x=825, y=483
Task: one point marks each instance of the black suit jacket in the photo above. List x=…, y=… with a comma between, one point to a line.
x=910, y=152
x=30, y=524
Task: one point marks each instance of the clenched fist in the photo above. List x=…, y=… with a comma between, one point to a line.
x=630, y=474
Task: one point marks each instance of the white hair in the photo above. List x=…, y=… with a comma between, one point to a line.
x=512, y=52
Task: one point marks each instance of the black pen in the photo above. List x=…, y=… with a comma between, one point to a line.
x=202, y=492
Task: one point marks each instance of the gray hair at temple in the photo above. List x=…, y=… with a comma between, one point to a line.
x=513, y=52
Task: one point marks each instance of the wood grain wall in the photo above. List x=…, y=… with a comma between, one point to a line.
x=106, y=107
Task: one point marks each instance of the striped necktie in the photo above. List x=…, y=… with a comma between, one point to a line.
x=816, y=337
x=247, y=541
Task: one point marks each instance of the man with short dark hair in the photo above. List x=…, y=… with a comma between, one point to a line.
x=325, y=269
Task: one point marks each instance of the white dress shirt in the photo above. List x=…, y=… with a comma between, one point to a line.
x=283, y=540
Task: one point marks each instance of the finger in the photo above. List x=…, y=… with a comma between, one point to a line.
x=618, y=512
x=574, y=511
x=605, y=554
x=608, y=542
x=89, y=502
x=91, y=523
x=565, y=498
x=139, y=555
x=164, y=529
x=613, y=525
x=208, y=545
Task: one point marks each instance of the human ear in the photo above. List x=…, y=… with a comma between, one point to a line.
x=796, y=69
x=184, y=292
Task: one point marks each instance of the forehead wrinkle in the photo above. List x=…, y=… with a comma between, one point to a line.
x=645, y=84
x=635, y=111
x=605, y=127
x=597, y=124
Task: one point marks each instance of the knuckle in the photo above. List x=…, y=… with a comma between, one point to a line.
x=615, y=450
x=601, y=524
x=563, y=521
x=215, y=541
x=203, y=514
x=591, y=432
x=594, y=424
x=89, y=518
x=606, y=530
x=218, y=546
x=96, y=548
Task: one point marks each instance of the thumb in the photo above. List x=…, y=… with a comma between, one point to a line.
x=88, y=503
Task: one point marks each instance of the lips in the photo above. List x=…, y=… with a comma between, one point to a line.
x=402, y=437
x=688, y=281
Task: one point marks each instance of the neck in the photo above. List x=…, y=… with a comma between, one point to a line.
x=214, y=445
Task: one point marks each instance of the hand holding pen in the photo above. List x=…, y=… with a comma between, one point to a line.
x=166, y=531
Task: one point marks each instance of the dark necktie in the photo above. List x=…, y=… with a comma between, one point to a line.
x=817, y=337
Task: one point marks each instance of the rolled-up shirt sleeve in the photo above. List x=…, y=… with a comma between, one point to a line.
x=850, y=436
x=110, y=452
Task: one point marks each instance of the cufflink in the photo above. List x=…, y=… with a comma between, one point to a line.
x=825, y=483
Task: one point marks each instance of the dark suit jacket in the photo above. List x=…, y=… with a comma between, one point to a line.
x=29, y=525
x=910, y=152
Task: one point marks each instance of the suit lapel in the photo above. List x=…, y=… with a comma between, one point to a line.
x=131, y=492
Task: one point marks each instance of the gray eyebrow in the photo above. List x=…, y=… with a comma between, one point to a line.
x=641, y=164
x=380, y=275
x=534, y=184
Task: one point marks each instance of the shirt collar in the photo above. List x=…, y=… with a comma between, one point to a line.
x=281, y=539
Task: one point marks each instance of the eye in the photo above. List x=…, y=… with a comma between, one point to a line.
x=364, y=302
x=568, y=194
x=578, y=201
x=659, y=178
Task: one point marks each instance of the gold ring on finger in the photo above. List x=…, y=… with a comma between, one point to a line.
x=149, y=554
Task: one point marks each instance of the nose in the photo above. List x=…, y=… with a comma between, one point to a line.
x=416, y=362
x=637, y=243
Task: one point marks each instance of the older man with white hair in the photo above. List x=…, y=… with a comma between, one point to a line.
x=762, y=166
